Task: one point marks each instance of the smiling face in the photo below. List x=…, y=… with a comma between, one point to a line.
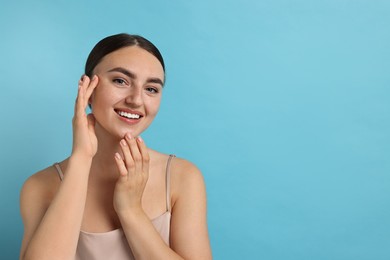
x=129, y=92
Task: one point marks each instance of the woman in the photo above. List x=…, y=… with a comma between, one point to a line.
x=114, y=198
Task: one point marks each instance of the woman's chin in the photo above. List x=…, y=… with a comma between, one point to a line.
x=132, y=132
x=117, y=133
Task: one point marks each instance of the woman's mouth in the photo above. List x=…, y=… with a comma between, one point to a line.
x=129, y=115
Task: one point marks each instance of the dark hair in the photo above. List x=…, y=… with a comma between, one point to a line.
x=116, y=42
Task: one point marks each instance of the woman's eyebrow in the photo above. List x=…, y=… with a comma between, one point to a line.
x=133, y=76
x=155, y=80
x=123, y=71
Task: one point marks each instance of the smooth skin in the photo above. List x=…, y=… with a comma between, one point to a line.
x=112, y=179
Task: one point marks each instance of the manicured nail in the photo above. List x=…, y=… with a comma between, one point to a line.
x=140, y=139
x=123, y=142
x=128, y=135
x=118, y=156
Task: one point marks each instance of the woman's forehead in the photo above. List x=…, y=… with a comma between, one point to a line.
x=133, y=58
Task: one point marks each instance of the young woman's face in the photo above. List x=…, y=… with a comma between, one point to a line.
x=129, y=91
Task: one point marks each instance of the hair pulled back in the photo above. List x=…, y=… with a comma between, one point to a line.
x=116, y=42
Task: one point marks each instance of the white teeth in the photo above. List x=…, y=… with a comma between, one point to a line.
x=128, y=115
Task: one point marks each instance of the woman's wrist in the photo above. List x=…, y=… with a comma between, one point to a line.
x=80, y=159
x=80, y=156
x=131, y=214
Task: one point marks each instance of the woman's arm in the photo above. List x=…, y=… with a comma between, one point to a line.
x=52, y=231
x=189, y=237
x=189, y=232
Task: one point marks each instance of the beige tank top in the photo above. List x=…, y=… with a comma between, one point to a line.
x=113, y=244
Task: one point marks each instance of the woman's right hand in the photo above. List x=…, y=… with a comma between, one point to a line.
x=84, y=137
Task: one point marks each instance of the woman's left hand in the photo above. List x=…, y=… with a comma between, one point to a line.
x=134, y=173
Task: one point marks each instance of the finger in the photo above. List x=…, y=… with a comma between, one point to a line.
x=80, y=107
x=77, y=101
x=121, y=167
x=127, y=156
x=91, y=87
x=144, y=153
x=86, y=81
x=79, y=111
x=135, y=153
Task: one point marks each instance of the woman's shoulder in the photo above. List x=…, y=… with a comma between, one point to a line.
x=185, y=176
x=178, y=166
x=43, y=184
x=188, y=190
x=185, y=168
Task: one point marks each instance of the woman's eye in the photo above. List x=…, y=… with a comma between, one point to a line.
x=152, y=90
x=119, y=81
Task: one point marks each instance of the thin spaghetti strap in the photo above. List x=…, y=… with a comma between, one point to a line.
x=168, y=182
x=59, y=171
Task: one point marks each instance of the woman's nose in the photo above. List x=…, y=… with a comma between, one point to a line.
x=134, y=97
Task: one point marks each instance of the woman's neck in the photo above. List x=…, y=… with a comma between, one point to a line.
x=103, y=164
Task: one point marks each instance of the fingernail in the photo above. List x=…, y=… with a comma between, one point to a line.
x=140, y=139
x=123, y=142
x=128, y=135
x=118, y=156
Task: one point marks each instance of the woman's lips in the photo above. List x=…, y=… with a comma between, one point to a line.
x=129, y=116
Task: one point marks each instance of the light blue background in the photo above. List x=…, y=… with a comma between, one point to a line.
x=284, y=105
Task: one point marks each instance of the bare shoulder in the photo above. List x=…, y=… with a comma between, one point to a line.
x=186, y=178
x=185, y=169
x=185, y=175
x=182, y=170
x=40, y=187
x=189, y=235
x=35, y=197
x=42, y=179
